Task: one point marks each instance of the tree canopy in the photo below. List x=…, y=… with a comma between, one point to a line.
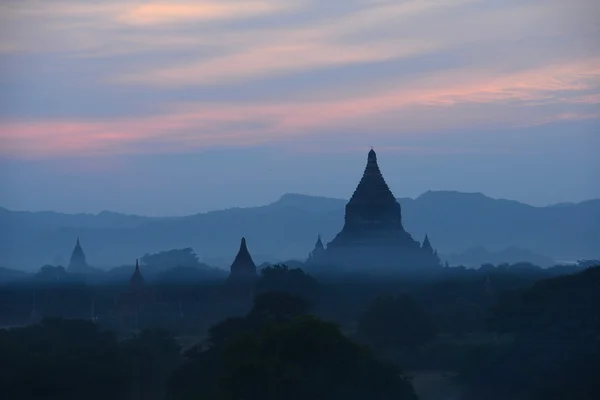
x=281, y=278
x=289, y=356
x=396, y=322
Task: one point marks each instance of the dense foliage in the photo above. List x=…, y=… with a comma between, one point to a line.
x=281, y=278
x=555, y=346
x=396, y=322
x=276, y=353
x=515, y=332
x=74, y=359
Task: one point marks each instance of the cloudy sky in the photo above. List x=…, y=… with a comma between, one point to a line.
x=176, y=107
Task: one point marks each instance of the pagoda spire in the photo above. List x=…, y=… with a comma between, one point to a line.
x=319, y=244
x=318, y=250
x=137, y=279
x=78, y=262
x=427, y=244
x=243, y=263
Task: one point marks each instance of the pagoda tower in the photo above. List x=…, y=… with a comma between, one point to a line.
x=373, y=237
x=243, y=267
x=317, y=251
x=428, y=251
x=136, y=281
x=78, y=262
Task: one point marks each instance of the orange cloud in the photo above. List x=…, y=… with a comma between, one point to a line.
x=172, y=12
x=124, y=26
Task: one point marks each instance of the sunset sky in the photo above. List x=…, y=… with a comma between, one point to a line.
x=178, y=107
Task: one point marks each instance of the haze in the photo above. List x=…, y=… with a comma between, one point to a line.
x=173, y=108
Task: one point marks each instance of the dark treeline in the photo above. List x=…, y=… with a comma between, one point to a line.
x=517, y=332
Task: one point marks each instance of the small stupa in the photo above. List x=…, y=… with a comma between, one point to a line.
x=78, y=261
x=243, y=267
x=318, y=250
x=136, y=281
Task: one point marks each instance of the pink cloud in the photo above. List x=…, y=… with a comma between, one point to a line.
x=437, y=103
x=268, y=61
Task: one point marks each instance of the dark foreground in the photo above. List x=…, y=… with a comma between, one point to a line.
x=499, y=333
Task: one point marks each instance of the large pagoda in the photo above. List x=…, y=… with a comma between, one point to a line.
x=373, y=237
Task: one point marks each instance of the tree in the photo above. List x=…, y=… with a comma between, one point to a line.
x=277, y=306
x=300, y=358
x=152, y=355
x=62, y=359
x=396, y=322
x=281, y=278
x=51, y=274
x=170, y=259
x=555, y=348
x=268, y=307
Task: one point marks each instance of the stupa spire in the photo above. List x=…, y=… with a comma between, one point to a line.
x=318, y=250
x=243, y=263
x=78, y=262
x=319, y=244
x=137, y=279
x=427, y=244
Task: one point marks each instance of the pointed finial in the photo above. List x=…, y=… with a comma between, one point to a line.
x=426, y=243
x=319, y=241
x=372, y=157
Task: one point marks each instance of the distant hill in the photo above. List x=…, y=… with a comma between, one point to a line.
x=477, y=256
x=287, y=229
x=10, y=275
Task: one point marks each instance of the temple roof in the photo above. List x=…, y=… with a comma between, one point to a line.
x=427, y=244
x=77, y=257
x=319, y=244
x=137, y=279
x=243, y=263
x=77, y=250
x=372, y=188
x=373, y=235
x=373, y=201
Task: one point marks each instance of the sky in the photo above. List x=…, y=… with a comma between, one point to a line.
x=179, y=107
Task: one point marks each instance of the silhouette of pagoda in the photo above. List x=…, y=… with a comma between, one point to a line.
x=373, y=237
x=137, y=302
x=78, y=262
x=317, y=251
x=243, y=267
x=137, y=280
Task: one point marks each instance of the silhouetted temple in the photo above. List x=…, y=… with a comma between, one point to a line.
x=373, y=237
x=78, y=262
x=317, y=251
x=136, y=304
x=137, y=280
x=243, y=267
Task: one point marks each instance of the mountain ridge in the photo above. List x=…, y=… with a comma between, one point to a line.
x=287, y=229
x=284, y=198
